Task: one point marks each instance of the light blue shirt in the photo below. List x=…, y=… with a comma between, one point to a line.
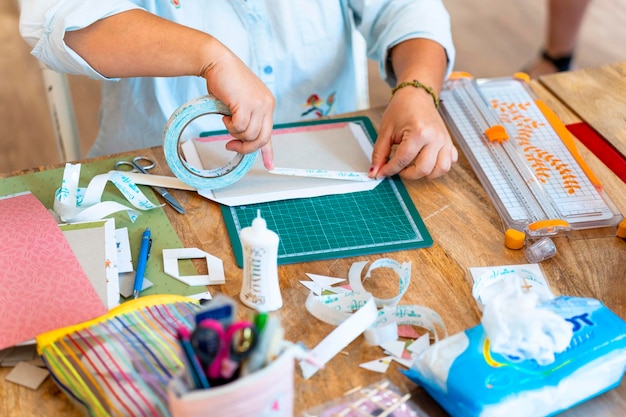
x=301, y=49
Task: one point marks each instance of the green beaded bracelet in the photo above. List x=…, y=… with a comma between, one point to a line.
x=417, y=84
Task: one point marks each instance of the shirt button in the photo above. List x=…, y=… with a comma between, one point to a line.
x=268, y=69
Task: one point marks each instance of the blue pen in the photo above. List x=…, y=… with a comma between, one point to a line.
x=144, y=252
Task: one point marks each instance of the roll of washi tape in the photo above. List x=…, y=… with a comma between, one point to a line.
x=201, y=178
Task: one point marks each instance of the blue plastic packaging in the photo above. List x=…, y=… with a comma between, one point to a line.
x=467, y=379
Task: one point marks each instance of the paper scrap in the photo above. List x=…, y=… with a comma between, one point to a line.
x=20, y=353
x=406, y=362
x=312, y=286
x=324, y=281
x=127, y=282
x=394, y=347
x=407, y=332
x=201, y=296
x=420, y=344
x=124, y=256
x=379, y=365
x=491, y=280
x=27, y=375
x=356, y=313
x=343, y=289
x=94, y=244
x=215, y=266
x=320, y=283
x=341, y=336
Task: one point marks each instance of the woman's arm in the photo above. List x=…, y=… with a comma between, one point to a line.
x=136, y=43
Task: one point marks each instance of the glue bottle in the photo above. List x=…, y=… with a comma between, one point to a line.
x=259, y=288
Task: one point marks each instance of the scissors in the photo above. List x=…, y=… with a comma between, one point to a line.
x=221, y=349
x=143, y=165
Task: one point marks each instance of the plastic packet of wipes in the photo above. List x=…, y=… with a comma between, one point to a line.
x=467, y=377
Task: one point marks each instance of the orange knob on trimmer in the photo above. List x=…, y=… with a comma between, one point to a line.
x=514, y=239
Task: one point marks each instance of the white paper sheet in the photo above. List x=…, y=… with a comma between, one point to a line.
x=342, y=146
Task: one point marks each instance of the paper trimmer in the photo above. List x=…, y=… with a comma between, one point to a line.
x=525, y=158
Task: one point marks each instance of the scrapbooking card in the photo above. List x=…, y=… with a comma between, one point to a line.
x=94, y=244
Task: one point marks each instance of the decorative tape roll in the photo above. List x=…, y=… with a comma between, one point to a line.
x=201, y=178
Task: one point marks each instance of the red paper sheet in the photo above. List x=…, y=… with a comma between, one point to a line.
x=600, y=148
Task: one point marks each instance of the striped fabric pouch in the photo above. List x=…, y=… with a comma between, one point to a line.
x=120, y=364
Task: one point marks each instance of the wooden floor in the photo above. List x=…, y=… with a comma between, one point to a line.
x=493, y=38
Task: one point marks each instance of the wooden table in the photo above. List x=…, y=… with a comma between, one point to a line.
x=596, y=95
x=467, y=232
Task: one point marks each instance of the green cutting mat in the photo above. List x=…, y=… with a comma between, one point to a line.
x=44, y=184
x=335, y=226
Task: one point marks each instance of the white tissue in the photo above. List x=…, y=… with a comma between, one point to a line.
x=517, y=328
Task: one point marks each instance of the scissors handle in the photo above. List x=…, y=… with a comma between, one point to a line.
x=220, y=350
x=143, y=164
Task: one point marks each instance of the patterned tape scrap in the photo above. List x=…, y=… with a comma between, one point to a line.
x=75, y=204
x=489, y=281
x=414, y=315
x=341, y=310
x=402, y=270
x=210, y=179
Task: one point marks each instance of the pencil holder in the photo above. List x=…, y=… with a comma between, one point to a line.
x=264, y=393
x=120, y=364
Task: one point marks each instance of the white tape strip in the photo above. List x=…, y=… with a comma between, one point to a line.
x=489, y=281
x=210, y=179
x=341, y=337
x=75, y=204
x=323, y=173
x=381, y=330
x=336, y=308
x=402, y=270
x=158, y=181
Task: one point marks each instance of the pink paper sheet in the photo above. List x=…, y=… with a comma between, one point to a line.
x=42, y=285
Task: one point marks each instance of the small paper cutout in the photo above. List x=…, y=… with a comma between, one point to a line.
x=395, y=347
x=379, y=365
x=214, y=264
x=420, y=344
x=127, y=282
x=407, y=332
x=27, y=375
